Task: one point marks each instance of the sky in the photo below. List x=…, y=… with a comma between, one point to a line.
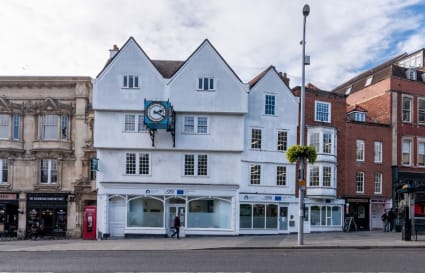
x=343, y=37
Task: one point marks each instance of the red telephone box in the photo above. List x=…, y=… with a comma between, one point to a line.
x=89, y=223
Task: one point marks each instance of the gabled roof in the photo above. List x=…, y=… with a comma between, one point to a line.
x=167, y=68
x=111, y=60
x=206, y=41
x=257, y=78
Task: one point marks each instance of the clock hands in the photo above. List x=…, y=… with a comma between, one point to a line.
x=159, y=112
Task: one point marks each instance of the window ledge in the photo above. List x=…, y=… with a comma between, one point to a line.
x=57, y=145
x=16, y=145
x=5, y=185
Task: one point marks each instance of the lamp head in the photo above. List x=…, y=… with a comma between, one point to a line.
x=306, y=10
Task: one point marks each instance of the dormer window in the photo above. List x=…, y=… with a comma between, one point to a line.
x=411, y=74
x=360, y=116
x=368, y=80
x=206, y=83
x=130, y=81
x=348, y=90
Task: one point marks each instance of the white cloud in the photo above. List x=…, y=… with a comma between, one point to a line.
x=72, y=37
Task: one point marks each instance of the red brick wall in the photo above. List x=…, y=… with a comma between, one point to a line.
x=369, y=133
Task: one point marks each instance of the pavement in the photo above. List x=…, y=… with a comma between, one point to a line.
x=358, y=239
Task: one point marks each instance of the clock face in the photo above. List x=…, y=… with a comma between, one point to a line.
x=156, y=112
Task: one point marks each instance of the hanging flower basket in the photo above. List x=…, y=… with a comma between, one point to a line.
x=296, y=152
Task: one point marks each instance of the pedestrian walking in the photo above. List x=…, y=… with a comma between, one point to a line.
x=176, y=227
x=384, y=218
x=391, y=218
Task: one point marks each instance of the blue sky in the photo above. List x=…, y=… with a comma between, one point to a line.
x=344, y=37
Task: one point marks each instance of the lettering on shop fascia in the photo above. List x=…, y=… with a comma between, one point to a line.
x=45, y=198
x=275, y=198
x=8, y=196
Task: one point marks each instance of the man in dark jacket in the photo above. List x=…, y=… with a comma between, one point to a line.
x=176, y=227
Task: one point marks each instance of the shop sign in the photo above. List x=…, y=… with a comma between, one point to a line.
x=8, y=196
x=47, y=198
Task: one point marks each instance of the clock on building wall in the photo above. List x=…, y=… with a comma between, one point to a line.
x=159, y=115
x=156, y=112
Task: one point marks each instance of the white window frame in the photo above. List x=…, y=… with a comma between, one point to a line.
x=314, y=140
x=421, y=152
x=317, y=106
x=369, y=80
x=254, y=178
x=319, y=170
x=194, y=125
x=63, y=122
x=421, y=111
x=331, y=175
x=360, y=116
x=406, y=113
x=281, y=175
x=12, y=126
x=327, y=147
x=125, y=81
x=197, y=159
x=406, y=150
x=138, y=124
x=360, y=176
x=377, y=183
x=378, y=152
x=282, y=140
x=137, y=166
x=314, y=171
x=52, y=166
x=269, y=106
x=360, y=150
x=200, y=83
x=4, y=171
x=256, y=142
x=5, y=124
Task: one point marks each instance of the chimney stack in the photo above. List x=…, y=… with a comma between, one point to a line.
x=113, y=51
x=284, y=77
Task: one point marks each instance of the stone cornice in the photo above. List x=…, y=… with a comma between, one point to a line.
x=43, y=81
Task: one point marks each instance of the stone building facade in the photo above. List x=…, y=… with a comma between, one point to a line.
x=45, y=154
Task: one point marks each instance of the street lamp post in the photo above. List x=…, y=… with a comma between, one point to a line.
x=301, y=178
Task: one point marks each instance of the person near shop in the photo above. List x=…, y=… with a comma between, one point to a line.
x=384, y=218
x=391, y=218
x=177, y=225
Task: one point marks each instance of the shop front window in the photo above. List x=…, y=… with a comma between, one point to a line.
x=271, y=216
x=245, y=216
x=145, y=212
x=325, y=216
x=209, y=213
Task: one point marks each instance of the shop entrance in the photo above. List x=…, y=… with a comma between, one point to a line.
x=283, y=218
x=176, y=206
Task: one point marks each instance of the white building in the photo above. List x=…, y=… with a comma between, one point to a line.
x=190, y=165
x=267, y=189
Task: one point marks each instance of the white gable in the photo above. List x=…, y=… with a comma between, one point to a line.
x=229, y=94
x=130, y=60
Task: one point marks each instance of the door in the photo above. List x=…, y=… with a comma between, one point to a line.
x=172, y=211
x=283, y=218
x=117, y=216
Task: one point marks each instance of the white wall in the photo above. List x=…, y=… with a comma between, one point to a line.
x=286, y=118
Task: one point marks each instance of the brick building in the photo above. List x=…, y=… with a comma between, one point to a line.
x=393, y=94
x=324, y=120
